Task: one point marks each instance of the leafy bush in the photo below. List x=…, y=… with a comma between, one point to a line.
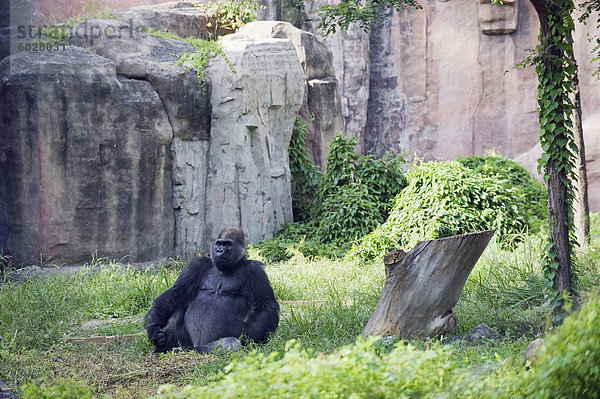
x=295, y=238
x=531, y=195
x=357, y=187
x=444, y=199
x=352, y=371
x=353, y=197
x=306, y=176
x=356, y=191
x=65, y=389
x=569, y=363
x=348, y=213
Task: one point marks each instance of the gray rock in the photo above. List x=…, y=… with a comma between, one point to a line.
x=181, y=18
x=321, y=108
x=227, y=344
x=532, y=351
x=352, y=69
x=190, y=160
x=138, y=55
x=85, y=159
x=481, y=332
x=253, y=113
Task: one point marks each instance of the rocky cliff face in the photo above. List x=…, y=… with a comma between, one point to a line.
x=109, y=147
x=322, y=107
x=85, y=159
x=441, y=82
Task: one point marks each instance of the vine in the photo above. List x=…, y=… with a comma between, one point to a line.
x=556, y=72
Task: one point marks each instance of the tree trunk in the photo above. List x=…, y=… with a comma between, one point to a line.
x=581, y=207
x=558, y=204
x=423, y=286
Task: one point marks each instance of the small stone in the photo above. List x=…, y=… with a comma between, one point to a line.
x=482, y=331
x=227, y=344
x=532, y=351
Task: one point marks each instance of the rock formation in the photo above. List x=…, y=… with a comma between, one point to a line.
x=322, y=106
x=115, y=149
x=253, y=113
x=85, y=159
x=441, y=82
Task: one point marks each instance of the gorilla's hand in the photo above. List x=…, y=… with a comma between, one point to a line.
x=159, y=338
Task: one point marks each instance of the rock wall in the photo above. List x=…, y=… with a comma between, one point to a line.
x=253, y=113
x=441, y=82
x=322, y=107
x=85, y=160
x=109, y=147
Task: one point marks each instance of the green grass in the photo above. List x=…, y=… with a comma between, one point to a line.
x=505, y=291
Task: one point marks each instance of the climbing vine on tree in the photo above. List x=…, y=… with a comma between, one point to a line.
x=555, y=68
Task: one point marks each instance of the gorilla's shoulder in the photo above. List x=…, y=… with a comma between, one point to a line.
x=197, y=267
x=201, y=261
x=254, y=265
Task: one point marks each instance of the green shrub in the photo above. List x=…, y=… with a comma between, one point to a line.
x=353, y=197
x=65, y=389
x=444, y=199
x=569, y=362
x=348, y=213
x=301, y=238
x=353, y=371
x=532, y=196
x=306, y=176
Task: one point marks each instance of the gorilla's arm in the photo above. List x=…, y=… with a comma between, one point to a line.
x=263, y=317
x=175, y=299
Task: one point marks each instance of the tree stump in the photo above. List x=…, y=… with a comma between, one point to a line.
x=422, y=286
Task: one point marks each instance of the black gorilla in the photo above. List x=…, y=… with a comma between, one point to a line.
x=228, y=296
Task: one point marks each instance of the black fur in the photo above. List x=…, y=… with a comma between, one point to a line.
x=228, y=296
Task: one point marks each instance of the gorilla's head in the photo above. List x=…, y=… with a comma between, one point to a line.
x=229, y=249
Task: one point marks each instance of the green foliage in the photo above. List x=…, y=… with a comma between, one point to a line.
x=352, y=370
x=365, y=13
x=230, y=15
x=297, y=238
x=205, y=50
x=531, y=195
x=444, y=199
x=356, y=192
x=348, y=213
x=65, y=389
x=349, y=200
x=569, y=363
x=306, y=176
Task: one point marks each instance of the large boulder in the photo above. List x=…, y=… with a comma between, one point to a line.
x=85, y=159
x=352, y=68
x=182, y=18
x=253, y=113
x=322, y=107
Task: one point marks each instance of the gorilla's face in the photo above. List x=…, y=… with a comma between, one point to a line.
x=229, y=249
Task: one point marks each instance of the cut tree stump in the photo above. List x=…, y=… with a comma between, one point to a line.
x=422, y=286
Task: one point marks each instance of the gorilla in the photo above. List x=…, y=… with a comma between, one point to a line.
x=213, y=298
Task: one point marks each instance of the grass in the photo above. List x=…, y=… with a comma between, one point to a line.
x=505, y=291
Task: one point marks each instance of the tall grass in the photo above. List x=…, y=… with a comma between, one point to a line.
x=36, y=313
